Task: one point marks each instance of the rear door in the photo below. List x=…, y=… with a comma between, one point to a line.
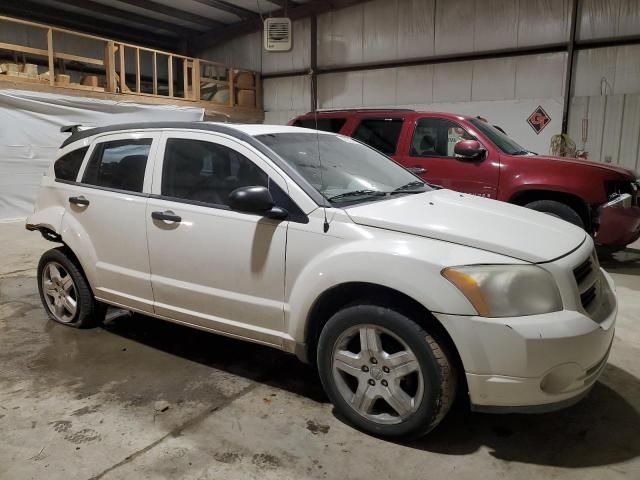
x=430, y=155
x=105, y=215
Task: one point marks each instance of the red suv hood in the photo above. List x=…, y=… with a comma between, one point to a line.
x=590, y=163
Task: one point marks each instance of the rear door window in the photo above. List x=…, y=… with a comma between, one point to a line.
x=380, y=133
x=333, y=125
x=118, y=164
x=68, y=166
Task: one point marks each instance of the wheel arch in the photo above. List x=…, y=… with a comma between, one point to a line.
x=573, y=201
x=339, y=296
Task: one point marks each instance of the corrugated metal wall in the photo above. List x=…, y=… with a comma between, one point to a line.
x=606, y=85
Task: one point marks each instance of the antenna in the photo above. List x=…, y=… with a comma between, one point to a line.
x=315, y=119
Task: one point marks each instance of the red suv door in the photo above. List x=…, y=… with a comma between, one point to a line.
x=428, y=152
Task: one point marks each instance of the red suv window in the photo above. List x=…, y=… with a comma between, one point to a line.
x=380, y=133
x=333, y=125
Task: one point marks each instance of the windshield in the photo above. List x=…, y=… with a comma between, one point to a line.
x=499, y=139
x=347, y=172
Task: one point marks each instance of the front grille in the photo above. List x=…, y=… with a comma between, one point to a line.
x=586, y=275
x=583, y=270
x=588, y=296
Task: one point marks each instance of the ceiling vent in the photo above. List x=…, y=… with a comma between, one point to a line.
x=277, y=34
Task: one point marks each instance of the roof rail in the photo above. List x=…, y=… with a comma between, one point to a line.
x=371, y=109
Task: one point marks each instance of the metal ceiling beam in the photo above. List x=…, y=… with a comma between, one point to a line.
x=174, y=13
x=230, y=8
x=294, y=11
x=27, y=10
x=118, y=13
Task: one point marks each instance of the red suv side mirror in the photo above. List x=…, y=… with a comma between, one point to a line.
x=469, y=150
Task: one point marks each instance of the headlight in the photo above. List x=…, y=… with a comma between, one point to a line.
x=506, y=290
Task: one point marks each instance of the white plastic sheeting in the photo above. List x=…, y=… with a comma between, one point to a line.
x=30, y=136
x=612, y=133
x=608, y=18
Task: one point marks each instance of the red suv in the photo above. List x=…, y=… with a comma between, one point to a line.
x=469, y=155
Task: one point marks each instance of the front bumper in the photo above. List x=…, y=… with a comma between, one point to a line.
x=533, y=363
x=618, y=226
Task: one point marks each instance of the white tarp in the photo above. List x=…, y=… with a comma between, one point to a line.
x=30, y=136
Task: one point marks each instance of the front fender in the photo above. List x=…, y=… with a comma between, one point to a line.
x=406, y=263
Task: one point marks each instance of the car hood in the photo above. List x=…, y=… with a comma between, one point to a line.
x=477, y=222
x=589, y=163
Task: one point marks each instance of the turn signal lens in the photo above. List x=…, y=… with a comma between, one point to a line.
x=470, y=289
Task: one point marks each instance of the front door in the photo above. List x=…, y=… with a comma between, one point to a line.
x=106, y=214
x=212, y=266
x=431, y=156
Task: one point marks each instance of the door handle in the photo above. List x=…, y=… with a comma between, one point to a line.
x=167, y=216
x=80, y=201
x=417, y=170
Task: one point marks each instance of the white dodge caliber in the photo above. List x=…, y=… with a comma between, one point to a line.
x=401, y=294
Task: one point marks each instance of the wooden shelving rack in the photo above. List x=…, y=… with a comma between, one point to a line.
x=223, y=91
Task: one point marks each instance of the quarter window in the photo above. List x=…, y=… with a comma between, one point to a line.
x=333, y=125
x=119, y=164
x=380, y=133
x=68, y=166
x=206, y=172
x=436, y=137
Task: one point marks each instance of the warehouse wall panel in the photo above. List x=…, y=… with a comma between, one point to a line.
x=604, y=71
x=379, y=87
x=540, y=76
x=452, y=82
x=338, y=90
x=299, y=58
x=629, y=155
x=494, y=79
x=543, y=22
x=416, y=28
x=414, y=84
x=609, y=18
x=340, y=37
x=612, y=128
x=455, y=20
x=496, y=24
x=379, y=32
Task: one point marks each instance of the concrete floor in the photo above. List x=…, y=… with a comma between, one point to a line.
x=141, y=398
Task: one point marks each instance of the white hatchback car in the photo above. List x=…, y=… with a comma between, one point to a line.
x=400, y=293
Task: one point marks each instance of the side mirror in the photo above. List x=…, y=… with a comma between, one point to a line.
x=255, y=200
x=469, y=150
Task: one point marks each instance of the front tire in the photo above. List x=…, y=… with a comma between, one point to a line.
x=557, y=209
x=384, y=373
x=65, y=293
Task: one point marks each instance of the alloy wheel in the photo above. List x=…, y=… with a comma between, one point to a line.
x=377, y=374
x=59, y=292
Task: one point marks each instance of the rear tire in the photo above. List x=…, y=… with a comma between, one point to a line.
x=65, y=293
x=398, y=381
x=557, y=209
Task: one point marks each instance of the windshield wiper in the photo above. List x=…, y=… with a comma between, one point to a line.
x=410, y=188
x=357, y=193
x=521, y=152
